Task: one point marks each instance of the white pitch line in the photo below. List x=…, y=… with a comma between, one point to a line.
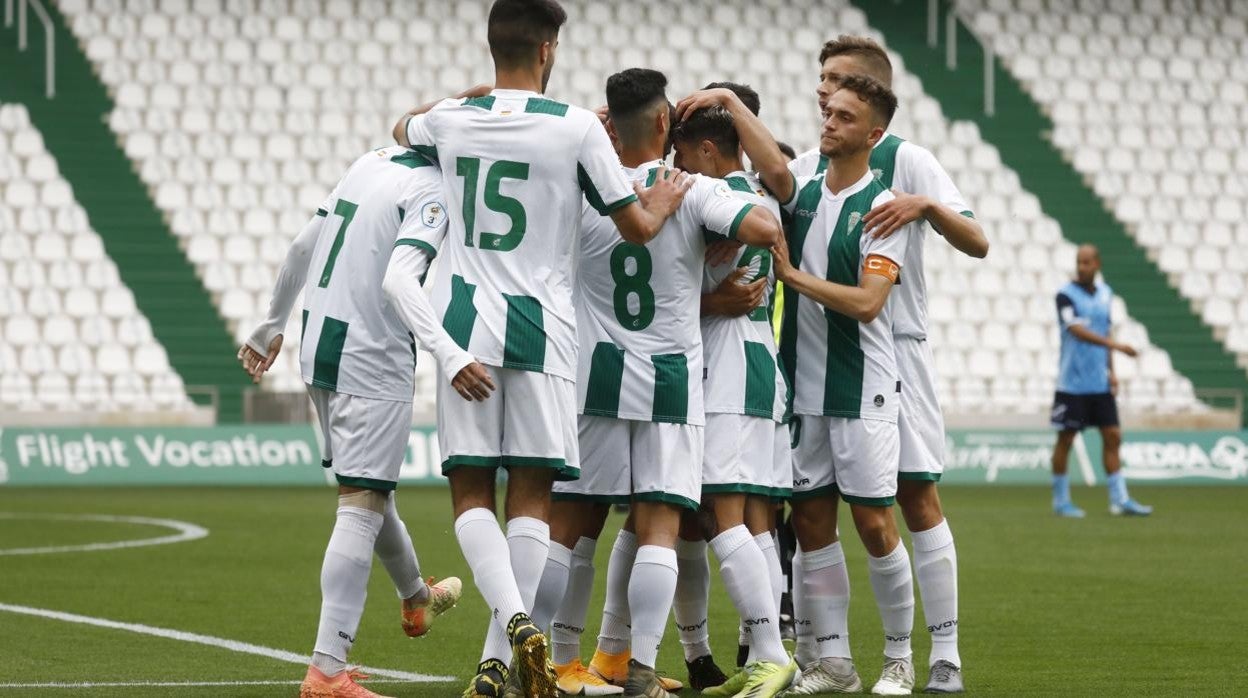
x=223, y=643
x=167, y=684
x=185, y=531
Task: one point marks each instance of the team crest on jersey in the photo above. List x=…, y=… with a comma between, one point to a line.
x=432, y=214
x=854, y=218
x=877, y=173
x=722, y=190
x=879, y=401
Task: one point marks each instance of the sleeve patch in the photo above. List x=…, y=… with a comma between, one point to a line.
x=433, y=214
x=881, y=266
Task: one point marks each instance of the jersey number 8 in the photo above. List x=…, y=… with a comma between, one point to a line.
x=635, y=283
x=470, y=170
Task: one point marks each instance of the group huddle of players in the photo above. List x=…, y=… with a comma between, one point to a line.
x=604, y=327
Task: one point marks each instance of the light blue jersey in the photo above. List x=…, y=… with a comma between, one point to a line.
x=1083, y=368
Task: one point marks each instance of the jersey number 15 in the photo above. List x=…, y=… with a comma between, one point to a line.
x=470, y=170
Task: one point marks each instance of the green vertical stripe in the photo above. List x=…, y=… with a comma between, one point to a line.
x=842, y=389
x=606, y=374
x=823, y=164
x=461, y=314
x=671, y=388
x=329, y=353
x=760, y=380
x=524, y=346
x=884, y=159
x=795, y=234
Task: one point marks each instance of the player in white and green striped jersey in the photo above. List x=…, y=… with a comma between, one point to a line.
x=747, y=437
x=925, y=193
x=640, y=386
x=516, y=166
x=838, y=342
x=357, y=359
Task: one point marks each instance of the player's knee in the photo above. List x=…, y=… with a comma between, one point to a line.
x=920, y=505
x=1112, y=437
x=370, y=500
x=877, y=530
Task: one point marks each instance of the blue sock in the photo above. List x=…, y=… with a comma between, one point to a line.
x=1117, y=488
x=1061, y=490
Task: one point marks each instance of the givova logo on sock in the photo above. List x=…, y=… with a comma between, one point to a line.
x=896, y=638
x=943, y=626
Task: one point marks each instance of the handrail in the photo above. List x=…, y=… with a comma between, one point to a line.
x=49, y=34
x=951, y=52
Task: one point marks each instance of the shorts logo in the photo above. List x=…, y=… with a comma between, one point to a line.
x=879, y=400
x=799, y=483
x=432, y=214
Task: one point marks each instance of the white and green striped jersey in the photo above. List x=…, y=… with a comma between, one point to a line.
x=637, y=307
x=352, y=340
x=910, y=168
x=516, y=167
x=742, y=371
x=840, y=367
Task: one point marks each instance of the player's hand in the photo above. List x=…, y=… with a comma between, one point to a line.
x=1126, y=349
x=603, y=113
x=734, y=298
x=255, y=363
x=473, y=382
x=704, y=99
x=476, y=91
x=889, y=217
x=722, y=252
x=665, y=195
x=780, y=261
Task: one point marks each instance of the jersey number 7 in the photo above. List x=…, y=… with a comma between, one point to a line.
x=470, y=170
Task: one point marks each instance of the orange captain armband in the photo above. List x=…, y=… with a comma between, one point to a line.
x=881, y=266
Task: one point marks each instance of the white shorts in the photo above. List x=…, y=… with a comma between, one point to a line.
x=782, y=463
x=857, y=457
x=365, y=438
x=740, y=455
x=528, y=421
x=625, y=459
x=919, y=420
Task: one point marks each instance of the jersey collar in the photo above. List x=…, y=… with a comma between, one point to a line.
x=640, y=171
x=514, y=93
x=881, y=141
x=849, y=191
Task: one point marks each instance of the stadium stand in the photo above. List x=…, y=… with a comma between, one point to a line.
x=239, y=116
x=73, y=337
x=1155, y=122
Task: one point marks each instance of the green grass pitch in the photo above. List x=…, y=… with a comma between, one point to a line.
x=1102, y=606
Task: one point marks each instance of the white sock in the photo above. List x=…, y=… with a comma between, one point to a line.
x=569, y=622
x=806, y=652
x=825, y=587
x=344, y=586
x=693, y=590
x=767, y=543
x=744, y=570
x=553, y=585
x=894, y=594
x=485, y=549
x=650, y=592
x=394, y=548
x=528, y=546
x=616, y=630
x=936, y=570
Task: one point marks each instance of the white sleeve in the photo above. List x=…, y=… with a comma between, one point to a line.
x=599, y=173
x=290, y=280
x=929, y=178
x=721, y=212
x=894, y=246
x=416, y=245
x=799, y=183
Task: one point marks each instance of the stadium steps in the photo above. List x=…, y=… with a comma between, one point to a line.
x=76, y=132
x=1020, y=131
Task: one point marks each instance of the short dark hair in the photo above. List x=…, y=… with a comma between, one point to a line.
x=873, y=57
x=715, y=123
x=745, y=93
x=874, y=93
x=516, y=28
x=632, y=93
x=787, y=149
